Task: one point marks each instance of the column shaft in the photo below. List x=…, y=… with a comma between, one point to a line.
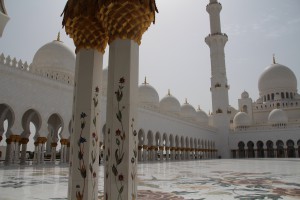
x=121, y=140
x=84, y=164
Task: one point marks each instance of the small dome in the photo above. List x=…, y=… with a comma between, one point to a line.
x=148, y=96
x=54, y=56
x=201, y=116
x=169, y=104
x=104, y=81
x=241, y=119
x=276, y=78
x=245, y=95
x=187, y=111
x=277, y=116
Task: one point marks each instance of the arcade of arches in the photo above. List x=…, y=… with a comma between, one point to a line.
x=45, y=145
x=269, y=149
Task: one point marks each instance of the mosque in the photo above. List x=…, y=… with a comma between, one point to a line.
x=40, y=94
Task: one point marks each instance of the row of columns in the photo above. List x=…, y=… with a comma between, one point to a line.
x=235, y=153
x=154, y=153
x=16, y=150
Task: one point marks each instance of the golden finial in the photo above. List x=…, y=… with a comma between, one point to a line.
x=145, y=81
x=274, y=61
x=58, y=36
x=169, y=93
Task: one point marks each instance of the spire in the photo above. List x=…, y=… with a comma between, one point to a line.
x=186, y=102
x=58, y=37
x=199, y=107
x=169, y=93
x=145, y=81
x=274, y=61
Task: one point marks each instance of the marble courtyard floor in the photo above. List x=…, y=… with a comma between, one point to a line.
x=246, y=179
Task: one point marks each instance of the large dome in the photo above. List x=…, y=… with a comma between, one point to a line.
x=241, y=119
x=277, y=116
x=188, y=111
x=54, y=56
x=201, y=116
x=148, y=96
x=275, y=78
x=169, y=104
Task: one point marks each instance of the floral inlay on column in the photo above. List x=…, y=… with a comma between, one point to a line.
x=82, y=166
x=120, y=138
x=94, y=141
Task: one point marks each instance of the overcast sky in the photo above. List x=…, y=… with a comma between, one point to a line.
x=173, y=54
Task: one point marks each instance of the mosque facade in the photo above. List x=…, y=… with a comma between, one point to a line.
x=40, y=94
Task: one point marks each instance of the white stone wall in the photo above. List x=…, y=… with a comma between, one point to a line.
x=22, y=90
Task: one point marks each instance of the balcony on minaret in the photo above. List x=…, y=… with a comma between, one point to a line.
x=215, y=38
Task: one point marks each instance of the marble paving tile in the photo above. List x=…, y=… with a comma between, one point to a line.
x=191, y=180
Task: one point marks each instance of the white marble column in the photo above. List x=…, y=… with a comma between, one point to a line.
x=24, y=142
x=84, y=163
x=8, y=157
x=140, y=153
x=145, y=153
x=173, y=153
x=53, y=152
x=122, y=103
x=161, y=153
x=35, y=155
x=68, y=152
x=16, y=158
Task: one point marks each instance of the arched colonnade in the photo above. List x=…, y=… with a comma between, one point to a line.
x=44, y=133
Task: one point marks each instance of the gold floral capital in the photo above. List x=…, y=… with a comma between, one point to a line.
x=82, y=25
x=127, y=19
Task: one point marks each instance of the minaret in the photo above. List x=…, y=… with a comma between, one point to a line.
x=216, y=41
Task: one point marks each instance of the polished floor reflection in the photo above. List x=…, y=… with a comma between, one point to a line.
x=205, y=179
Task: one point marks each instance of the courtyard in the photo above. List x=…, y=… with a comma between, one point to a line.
x=245, y=179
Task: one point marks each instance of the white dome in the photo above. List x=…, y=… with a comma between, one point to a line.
x=187, y=111
x=201, y=116
x=104, y=82
x=277, y=116
x=245, y=95
x=169, y=104
x=54, y=56
x=148, y=96
x=277, y=77
x=241, y=119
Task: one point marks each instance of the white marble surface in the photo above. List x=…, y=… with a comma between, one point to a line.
x=204, y=179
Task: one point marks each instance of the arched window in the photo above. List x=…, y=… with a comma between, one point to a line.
x=280, y=149
x=250, y=146
x=290, y=149
x=273, y=96
x=268, y=97
x=282, y=95
x=287, y=95
x=241, y=146
x=245, y=109
x=270, y=149
x=260, y=149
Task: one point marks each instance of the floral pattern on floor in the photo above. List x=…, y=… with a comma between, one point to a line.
x=190, y=180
